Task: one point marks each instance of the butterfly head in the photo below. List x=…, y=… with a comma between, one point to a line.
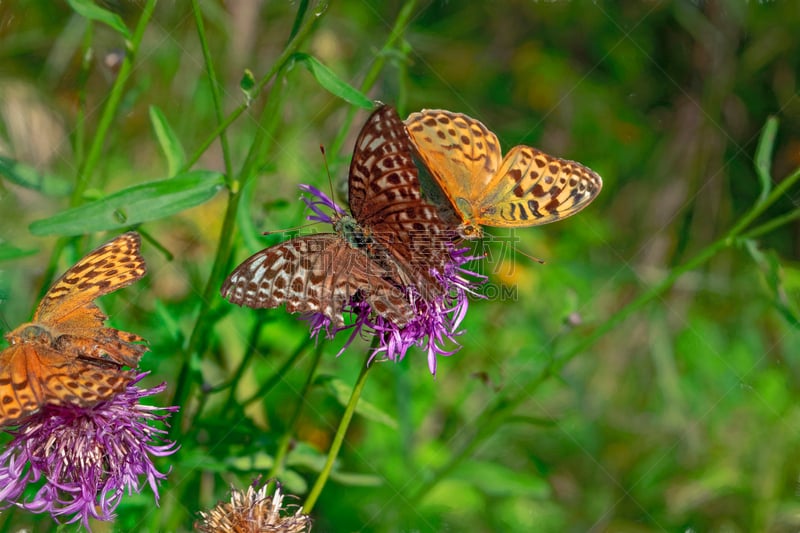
x=470, y=231
x=30, y=333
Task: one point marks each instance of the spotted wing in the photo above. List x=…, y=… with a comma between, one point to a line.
x=458, y=152
x=34, y=376
x=532, y=188
x=113, y=265
x=385, y=199
x=68, y=306
x=316, y=274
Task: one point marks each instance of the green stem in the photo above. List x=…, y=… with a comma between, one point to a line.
x=286, y=439
x=200, y=332
x=212, y=76
x=759, y=208
x=280, y=62
x=338, y=439
x=87, y=167
x=771, y=225
x=83, y=78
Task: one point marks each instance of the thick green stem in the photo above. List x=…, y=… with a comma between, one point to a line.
x=200, y=332
x=338, y=439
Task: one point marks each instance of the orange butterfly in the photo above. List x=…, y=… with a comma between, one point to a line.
x=65, y=355
x=473, y=185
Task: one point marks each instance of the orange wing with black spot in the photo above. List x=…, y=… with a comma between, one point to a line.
x=475, y=186
x=66, y=355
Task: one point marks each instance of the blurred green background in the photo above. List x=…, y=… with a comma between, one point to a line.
x=682, y=417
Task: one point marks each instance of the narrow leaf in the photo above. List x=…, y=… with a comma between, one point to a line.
x=764, y=157
x=28, y=177
x=9, y=251
x=91, y=11
x=332, y=83
x=134, y=205
x=170, y=144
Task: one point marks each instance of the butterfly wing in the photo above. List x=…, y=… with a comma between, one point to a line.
x=68, y=309
x=315, y=274
x=461, y=155
x=532, y=188
x=385, y=199
x=111, y=266
x=35, y=376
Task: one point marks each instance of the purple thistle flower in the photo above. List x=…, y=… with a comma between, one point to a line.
x=81, y=459
x=436, y=321
x=320, y=198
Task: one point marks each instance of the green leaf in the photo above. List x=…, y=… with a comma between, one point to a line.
x=28, y=177
x=341, y=391
x=91, y=11
x=9, y=252
x=170, y=144
x=134, y=205
x=332, y=83
x=764, y=157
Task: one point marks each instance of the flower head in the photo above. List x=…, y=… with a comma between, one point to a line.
x=317, y=199
x=80, y=460
x=253, y=512
x=436, y=320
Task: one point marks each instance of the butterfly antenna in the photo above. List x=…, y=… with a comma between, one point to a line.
x=534, y=258
x=287, y=230
x=327, y=170
x=513, y=248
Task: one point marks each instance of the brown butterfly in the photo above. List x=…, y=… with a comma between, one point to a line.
x=474, y=185
x=392, y=241
x=65, y=355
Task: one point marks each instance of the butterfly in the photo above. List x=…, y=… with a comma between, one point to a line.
x=65, y=355
x=474, y=186
x=391, y=241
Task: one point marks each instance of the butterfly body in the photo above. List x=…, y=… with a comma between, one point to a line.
x=392, y=240
x=65, y=355
x=352, y=232
x=474, y=186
